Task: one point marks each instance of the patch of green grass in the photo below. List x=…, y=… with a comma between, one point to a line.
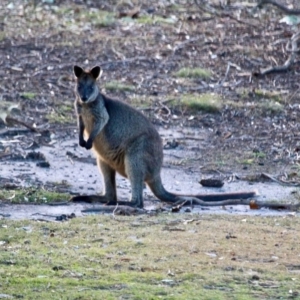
x=140, y=102
x=28, y=95
x=272, y=106
x=202, y=102
x=161, y=257
x=105, y=21
x=248, y=161
x=193, y=73
x=146, y=19
x=260, y=94
x=2, y=36
x=61, y=114
x=251, y=158
x=99, y=18
x=265, y=94
x=117, y=86
x=32, y=195
x=260, y=154
x=262, y=101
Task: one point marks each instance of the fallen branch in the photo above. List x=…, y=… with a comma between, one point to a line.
x=286, y=66
x=16, y=121
x=277, y=206
x=210, y=10
x=283, y=8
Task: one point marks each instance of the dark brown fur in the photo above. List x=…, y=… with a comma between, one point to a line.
x=124, y=141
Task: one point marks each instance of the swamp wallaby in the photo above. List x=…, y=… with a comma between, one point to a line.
x=126, y=142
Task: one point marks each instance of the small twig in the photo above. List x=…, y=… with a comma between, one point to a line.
x=293, y=95
x=179, y=206
x=183, y=44
x=113, y=213
x=166, y=108
x=286, y=183
x=226, y=74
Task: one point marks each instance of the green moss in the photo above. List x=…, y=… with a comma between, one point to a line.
x=193, y=73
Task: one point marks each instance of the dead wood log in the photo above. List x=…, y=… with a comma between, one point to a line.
x=16, y=121
x=294, y=49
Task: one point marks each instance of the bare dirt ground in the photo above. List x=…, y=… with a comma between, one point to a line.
x=254, y=129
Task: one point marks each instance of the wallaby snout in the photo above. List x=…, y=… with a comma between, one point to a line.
x=84, y=98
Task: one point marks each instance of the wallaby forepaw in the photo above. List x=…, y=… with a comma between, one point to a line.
x=82, y=143
x=89, y=145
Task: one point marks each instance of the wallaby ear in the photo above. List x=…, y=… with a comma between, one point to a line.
x=95, y=72
x=78, y=71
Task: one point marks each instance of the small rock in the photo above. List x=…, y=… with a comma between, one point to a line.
x=43, y=164
x=212, y=182
x=35, y=156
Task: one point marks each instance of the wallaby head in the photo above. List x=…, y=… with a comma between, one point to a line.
x=86, y=87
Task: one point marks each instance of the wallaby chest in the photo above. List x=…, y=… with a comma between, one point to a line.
x=88, y=118
x=108, y=147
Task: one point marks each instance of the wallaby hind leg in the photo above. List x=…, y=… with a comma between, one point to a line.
x=110, y=193
x=135, y=173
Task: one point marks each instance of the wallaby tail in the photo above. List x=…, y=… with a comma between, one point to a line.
x=162, y=194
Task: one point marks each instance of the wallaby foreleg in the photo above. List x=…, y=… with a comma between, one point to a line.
x=82, y=141
x=99, y=123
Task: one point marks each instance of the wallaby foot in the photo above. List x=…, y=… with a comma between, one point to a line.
x=126, y=203
x=90, y=199
x=102, y=199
